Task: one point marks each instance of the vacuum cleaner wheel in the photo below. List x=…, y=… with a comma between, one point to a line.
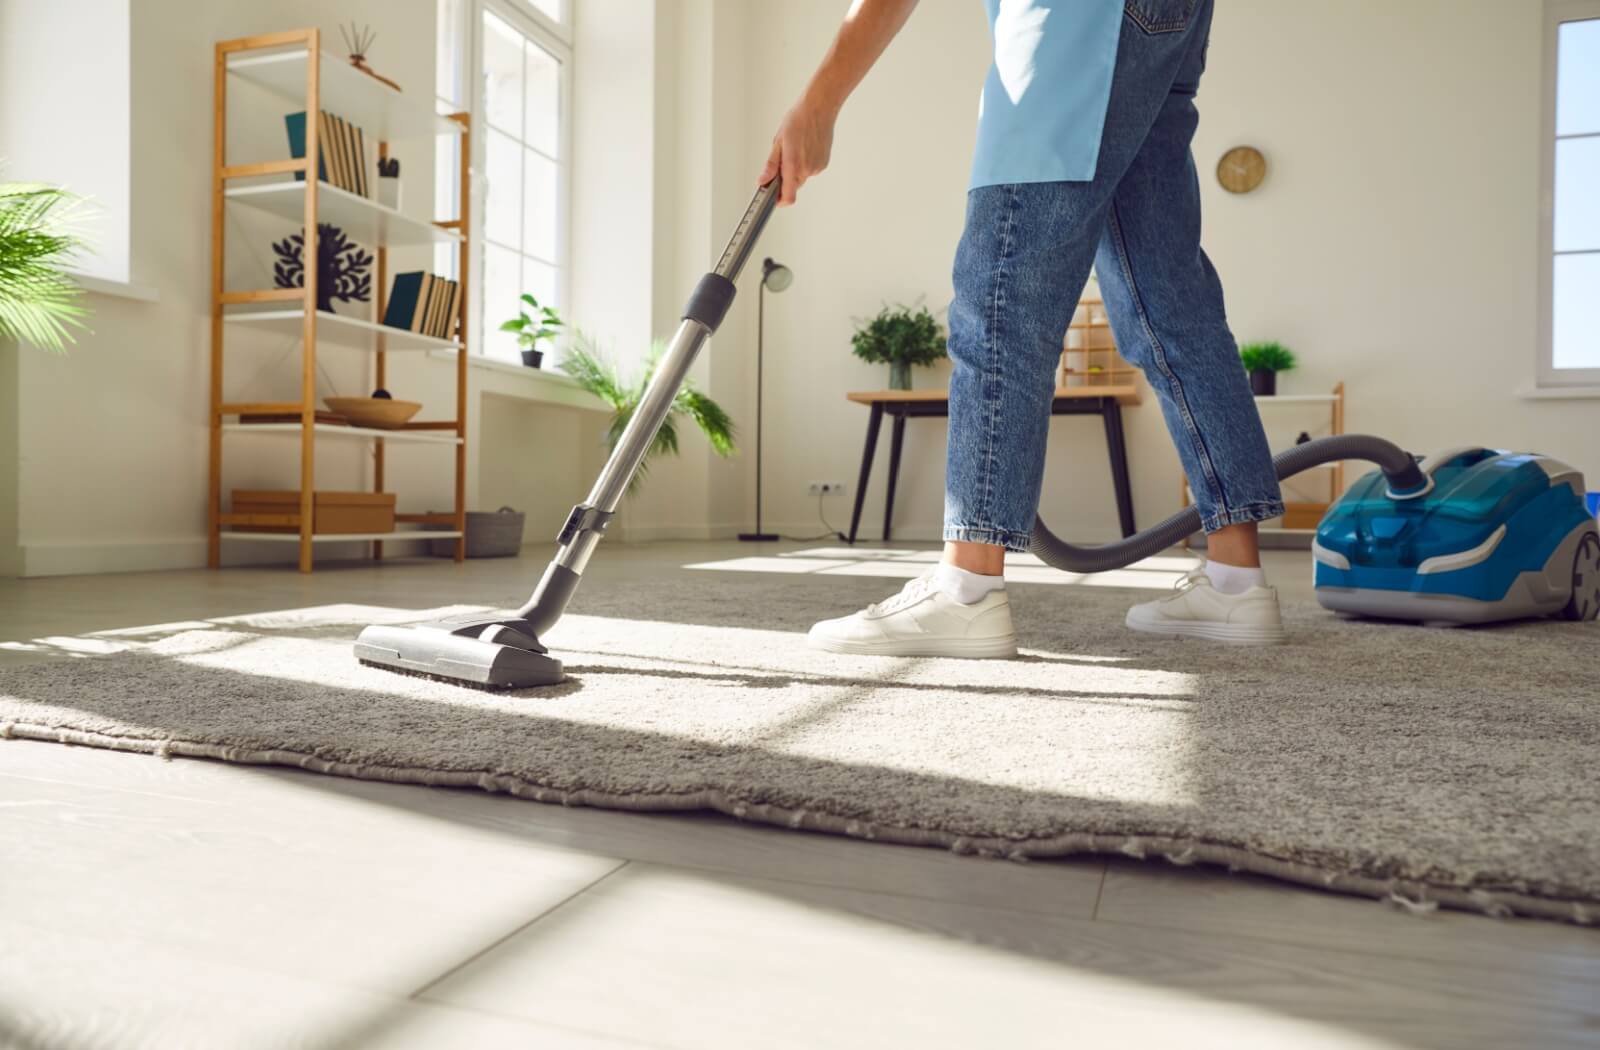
x=1585, y=601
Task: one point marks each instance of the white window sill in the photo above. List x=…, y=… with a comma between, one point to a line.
x=1559, y=393
x=120, y=289
x=504, y=379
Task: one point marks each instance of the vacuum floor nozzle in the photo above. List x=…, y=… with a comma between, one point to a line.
x=484, y=654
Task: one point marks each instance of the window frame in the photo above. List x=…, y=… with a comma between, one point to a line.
x=1556, y=12
x=556, y=38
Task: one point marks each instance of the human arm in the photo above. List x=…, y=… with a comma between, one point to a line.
x=804, y=140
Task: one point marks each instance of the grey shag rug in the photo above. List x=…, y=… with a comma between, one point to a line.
x=1435, y=767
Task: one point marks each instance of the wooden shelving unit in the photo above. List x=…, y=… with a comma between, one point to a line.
x=1301, y=516
x=294, y=67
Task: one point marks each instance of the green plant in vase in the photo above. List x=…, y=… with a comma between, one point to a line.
x=903, y=337
x=39, y=303
x=602, y=378
x=1264, y=361
x=532, y=329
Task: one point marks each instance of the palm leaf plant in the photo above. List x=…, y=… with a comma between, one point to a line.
x=39, y=303
x=602, y=378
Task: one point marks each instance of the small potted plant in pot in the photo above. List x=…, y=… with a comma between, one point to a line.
x=1264, y=361
x=544, y=323
x=901, y=336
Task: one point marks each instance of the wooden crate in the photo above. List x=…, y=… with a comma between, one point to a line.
x=1303, y=515
x=273, y=510
x=1089, y=350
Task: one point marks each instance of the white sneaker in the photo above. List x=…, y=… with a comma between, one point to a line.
x=922, y=621
x=1199, y=610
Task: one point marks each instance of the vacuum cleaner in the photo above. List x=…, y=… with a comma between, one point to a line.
x=1466, y=537
x=505, y=652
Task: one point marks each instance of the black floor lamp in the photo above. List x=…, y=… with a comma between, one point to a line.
x=777, y=277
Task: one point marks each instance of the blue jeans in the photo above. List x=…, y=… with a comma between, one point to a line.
x=1025, y=255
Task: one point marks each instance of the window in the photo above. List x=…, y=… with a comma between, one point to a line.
x=69, y=66
x=521, y=55
x=1570, y=286
x=450, y=95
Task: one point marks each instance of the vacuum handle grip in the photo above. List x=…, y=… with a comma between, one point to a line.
x=743, y=241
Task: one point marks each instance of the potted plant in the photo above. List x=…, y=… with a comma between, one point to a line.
x=604, y=380
x=903, y=337
x=531, y=330
x=1264, y=361
x=38, y=301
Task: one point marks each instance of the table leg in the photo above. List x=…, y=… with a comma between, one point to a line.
x=874, y=423
x=895, y=441
x=1111, y=414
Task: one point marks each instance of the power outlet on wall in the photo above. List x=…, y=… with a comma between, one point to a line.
x=825, y=488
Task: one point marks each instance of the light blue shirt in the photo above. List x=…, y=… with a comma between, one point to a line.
x=1044, y=102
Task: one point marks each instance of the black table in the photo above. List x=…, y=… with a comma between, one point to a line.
x=1103, y=401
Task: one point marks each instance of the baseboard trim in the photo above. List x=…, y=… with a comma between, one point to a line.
x=76, y=558
x=86, y=558
x=653, y=533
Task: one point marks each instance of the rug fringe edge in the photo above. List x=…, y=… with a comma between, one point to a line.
x=1409, y=897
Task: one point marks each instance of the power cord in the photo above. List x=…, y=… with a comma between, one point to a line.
x=831, y=534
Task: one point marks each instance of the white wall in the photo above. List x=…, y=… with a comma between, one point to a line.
x=10, y=555
x=1392, y=245
x=66, y=65
x=658, y=117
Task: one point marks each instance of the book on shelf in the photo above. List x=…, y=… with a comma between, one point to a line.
x=430, y=313
x=452, y=310
x=358, y=157
x=328, y=131
x=295, y=125
x=430, y=323
x=342, y=151
x=423, y=302
x=406, y=296
x=449, y=298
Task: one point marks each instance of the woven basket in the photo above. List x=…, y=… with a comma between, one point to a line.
x=496, y=534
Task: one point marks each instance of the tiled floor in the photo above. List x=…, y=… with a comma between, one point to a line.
x=165, y=904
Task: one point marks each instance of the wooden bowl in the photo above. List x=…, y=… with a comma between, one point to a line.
x=379, y=412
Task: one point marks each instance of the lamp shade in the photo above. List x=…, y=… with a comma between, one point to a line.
x=776, y=276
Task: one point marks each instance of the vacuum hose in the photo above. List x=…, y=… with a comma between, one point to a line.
x=1405, y=479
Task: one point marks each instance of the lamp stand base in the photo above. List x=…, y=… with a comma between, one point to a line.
x=758, y=537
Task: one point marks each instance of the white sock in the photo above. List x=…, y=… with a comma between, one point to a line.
x=1234, y=579
x=966, y=587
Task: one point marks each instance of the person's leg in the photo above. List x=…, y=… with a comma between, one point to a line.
x=1025, y=252
x=1166, y=307
x=1024, y=255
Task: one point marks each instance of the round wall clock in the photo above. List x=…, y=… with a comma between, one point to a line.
x=1241, y=169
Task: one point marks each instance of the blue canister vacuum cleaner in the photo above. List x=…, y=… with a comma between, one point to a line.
x=1468, y=536
x=1494, y=536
